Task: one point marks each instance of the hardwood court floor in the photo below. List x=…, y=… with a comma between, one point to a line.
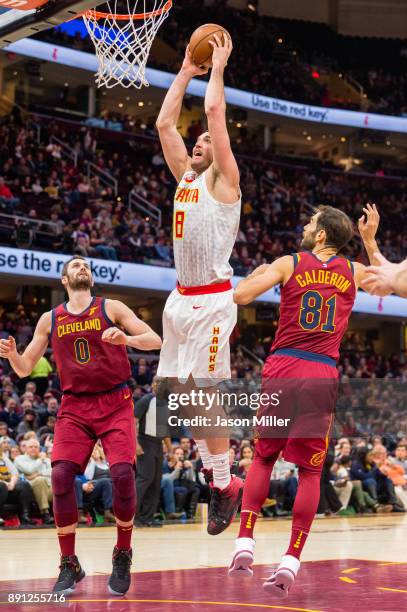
x=349, y=564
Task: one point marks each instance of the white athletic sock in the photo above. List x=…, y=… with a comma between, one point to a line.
x=244, y=544
x=291, y=563
x=205, y=454
x=221, y=470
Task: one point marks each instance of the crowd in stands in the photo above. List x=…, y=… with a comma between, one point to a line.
x=49, y=203
x=366, y=473
x=281, y=58
x=362, y=474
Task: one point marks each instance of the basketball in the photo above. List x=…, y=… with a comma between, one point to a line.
x=201, y=50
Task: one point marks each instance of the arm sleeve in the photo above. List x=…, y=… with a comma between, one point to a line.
x=90, y=470
x=141, y=407
x=191, y=474
x=10, y=466
x=175, y=474
x=23, y=466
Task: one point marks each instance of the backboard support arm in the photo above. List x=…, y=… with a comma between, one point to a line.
x=48, y=16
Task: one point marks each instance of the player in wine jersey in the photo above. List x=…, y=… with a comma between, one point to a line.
x=200, y=313
x=317, y=295
x=89, y=348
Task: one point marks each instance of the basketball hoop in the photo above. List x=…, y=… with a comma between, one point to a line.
x=123, y=39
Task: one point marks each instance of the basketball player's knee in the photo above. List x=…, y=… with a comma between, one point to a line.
x=124, y=491
x=124, y=484
x=63, y=477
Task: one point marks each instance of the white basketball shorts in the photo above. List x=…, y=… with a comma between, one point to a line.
x=196, y=330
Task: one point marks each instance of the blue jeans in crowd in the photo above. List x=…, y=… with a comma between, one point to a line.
x=167, y=487
x=290, y=489
x=102, y=491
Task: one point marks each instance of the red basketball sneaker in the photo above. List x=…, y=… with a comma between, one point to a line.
x=224, y=505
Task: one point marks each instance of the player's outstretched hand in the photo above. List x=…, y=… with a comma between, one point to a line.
x=8, y=348
x=221, y=50
x=369, y=222
x=189, y=66
x=114, y=335
x=379, y=280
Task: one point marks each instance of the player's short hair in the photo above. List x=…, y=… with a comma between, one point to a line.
x=336, y=224
x=66, y=264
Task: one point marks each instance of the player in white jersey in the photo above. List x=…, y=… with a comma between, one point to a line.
x=200, y=313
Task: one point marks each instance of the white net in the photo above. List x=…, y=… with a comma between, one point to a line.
x=123, y=35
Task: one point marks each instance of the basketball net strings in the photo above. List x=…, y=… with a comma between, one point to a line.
x=123, y=47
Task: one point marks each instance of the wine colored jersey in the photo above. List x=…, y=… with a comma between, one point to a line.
x=316, y=304
x=85, y=364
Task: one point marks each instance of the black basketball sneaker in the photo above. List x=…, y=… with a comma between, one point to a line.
x=119, y=581
x=70, y=573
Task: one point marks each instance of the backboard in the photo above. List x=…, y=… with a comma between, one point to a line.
x=22, y=21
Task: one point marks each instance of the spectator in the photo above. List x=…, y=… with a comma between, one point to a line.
x=283, y=485
x=50, y=410
x=29, y=420
x=94, y=487
x=40, y=375
x=185, y=444
x=186, y=490
x=6, y=445
x=36, y=467
x=343, y=485
x=365, y=467
x=150, y=442
x=360, y=499
x=9, y=414
x=385, y=485
x=245, y=461
x=400, y=455
x=397, y=475
x=14, y=452
x=329, y=502
x=7, y=200
x=15, y=491
x=3, y=429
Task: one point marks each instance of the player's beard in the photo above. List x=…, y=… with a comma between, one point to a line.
x=79, y=283
x=309, y=242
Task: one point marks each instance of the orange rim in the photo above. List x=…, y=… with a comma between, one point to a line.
x=98, y=15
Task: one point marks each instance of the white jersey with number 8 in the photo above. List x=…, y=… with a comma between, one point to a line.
x=204, y=232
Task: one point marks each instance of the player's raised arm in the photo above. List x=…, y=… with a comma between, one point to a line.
x=24, y=364
x=174, y=149
x=224, y=163
x=368, y=225
x=263, y=278
x=140, y=335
